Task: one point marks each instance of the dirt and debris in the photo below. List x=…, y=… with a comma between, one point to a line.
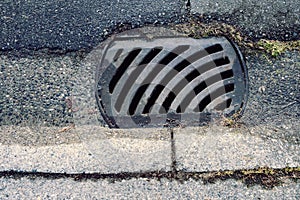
x=267, y=178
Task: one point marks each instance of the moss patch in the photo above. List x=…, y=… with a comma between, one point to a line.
x=266, y=177
x=197, y=29
x=276, y=48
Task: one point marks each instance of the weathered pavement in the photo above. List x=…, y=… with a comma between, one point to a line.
x=98, y=149
x=145, y=163
x=259, y=19
x=45, y=157
x=72, y=25
x=36, y=154
x=141, y=188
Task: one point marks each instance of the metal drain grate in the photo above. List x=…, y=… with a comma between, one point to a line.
x=145, y=82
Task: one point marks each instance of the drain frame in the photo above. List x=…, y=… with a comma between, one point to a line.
x=138, y=40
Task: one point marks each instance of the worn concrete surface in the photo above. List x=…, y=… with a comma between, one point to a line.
x=218, y=148
x=103, y=150
x=95, y=149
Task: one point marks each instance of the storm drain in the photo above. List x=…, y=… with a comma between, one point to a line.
x=169, y=81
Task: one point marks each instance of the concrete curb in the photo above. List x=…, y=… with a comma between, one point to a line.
x=218, y=148
x=99, y=150
x=104, y=150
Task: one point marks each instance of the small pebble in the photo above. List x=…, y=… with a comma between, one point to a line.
x=262, y=89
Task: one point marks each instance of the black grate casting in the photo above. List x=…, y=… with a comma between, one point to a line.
x=153, y=82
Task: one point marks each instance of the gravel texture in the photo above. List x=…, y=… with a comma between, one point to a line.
x=274, y=101
x=218, y=148
x=39, y=91
x=258, y=19
x=35, y=90
x=84, y=149
x=24, y=188
x=71, y=25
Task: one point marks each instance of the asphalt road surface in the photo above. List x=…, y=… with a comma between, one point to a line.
x=73, y=25
x=259, y=19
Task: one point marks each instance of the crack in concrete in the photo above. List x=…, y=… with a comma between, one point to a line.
x=173, y=151
x=266, y=177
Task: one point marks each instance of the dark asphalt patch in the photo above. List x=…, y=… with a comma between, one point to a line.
x=272, y=19
x=72, y=25
x=268, y=178
x=277, y=106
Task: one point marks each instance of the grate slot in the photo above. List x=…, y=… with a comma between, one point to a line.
x=202, y=86
x=162, y=63
x=138, y=95
x=167, y=103
x=117, y=55
x=207, y=100
x=161, y=81
x=214, y=49
x=123, y=67
x=202, y=105
x=228, y=102
x=149, y=57
x=136, y=72
x=151, y=101
x=197, y=56
x=222, y=61
x=227, y=74
x=193, y=75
